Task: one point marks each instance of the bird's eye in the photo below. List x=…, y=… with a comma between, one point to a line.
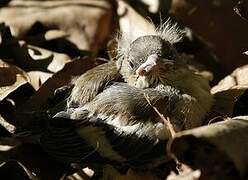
x=171, y=56
x=130, y=64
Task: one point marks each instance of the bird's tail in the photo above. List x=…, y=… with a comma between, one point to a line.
x=62, y=141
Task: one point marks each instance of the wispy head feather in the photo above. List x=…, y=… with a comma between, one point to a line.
x=168, y=31
x=123, y=44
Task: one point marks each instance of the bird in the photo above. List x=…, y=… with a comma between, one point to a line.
x=111, y=116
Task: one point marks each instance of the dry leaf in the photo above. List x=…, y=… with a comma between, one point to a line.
x=238, y=78
x=240, y=107
x=59, y=79
x=14, y=89
x=153, y=5
x=15, y=170
x=88, y=22
x=11, y=78
x=219, y=150
x=37, y=162
x=132, y=23
x=83, y=174
x=228, y=92
x=109, y=173
x=58, y=60
x=55, y=34
x=4, y=2
x=226, y=100
x=242, y=9
x=211, y=20
x=29, y=57
x=9, y=127
x=187, y=174
x=27, y=113
x=37, y=78
x=7, y=146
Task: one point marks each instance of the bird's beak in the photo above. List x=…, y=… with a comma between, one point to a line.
x=148, y=66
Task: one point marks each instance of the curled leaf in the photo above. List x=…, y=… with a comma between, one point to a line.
x=218, y=150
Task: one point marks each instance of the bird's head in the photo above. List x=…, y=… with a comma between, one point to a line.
x=146, y=60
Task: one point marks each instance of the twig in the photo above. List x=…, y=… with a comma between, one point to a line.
x=166, y=120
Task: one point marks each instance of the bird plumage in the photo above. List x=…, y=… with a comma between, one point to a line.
x=114, y=121
x=89, y=140
x=91, y=83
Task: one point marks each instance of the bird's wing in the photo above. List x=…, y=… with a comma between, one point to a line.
x=131, y=104
x=62, y=141
x=92, y=83
x=118, y=125
x=91, y=141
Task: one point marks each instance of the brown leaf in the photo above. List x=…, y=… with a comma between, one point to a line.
x=87, y=22
x=211, y=20
x=11, y=78
x=57, y=62
x=239, y=78
x=110, y=173
x=55, y=34
x=7, y=146
x=240, y=106
x=59, y=79
x=37, y=78
x=31, y=157
x=38, y=162
x=186, y=174
x=83, y=174
x=242, y=9
x=132, y=22
x=228, y=92
x=15, y=87
x=226, y=100
x=15, y=170
x=4, y=2
x=29, y=58
x=9, y=127
x=219, y=150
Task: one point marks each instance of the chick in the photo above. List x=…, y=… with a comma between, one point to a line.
x=151, y=61
x=111, y=122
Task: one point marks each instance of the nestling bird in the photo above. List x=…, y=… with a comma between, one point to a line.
x=114, y=122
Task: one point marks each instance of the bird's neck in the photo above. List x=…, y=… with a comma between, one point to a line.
x=190, y=83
